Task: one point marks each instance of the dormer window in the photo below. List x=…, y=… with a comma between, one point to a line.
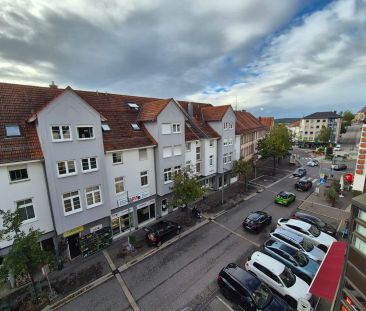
x=12, y=130
x=135, y=126
x=133, y=106
x=105, y=127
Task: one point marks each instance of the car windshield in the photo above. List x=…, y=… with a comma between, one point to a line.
x=314, y=231
x=262, y=296
x=307, y=245
x=301, y=259
x=287, y=277
x=320, y=223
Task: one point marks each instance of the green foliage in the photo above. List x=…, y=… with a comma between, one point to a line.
x=324, y=135
x=11, y=223
x=336, y=185
x=343, y=128
x=243, y=168
x=186, y=189
x=276, y=144
x=348, y=116
x=329, y=153
x=331, y=195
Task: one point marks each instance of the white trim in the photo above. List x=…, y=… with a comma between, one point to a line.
x=67, y=168
x=176, y=125
x=72, y=203
x=30, y=220
x=147, y=177
x=93, y=192
x=121, y=150
x=86, y=125
x=91, y=169
x=62, y=139
x=20, y=163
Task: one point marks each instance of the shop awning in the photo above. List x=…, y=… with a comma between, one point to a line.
x=326, y=280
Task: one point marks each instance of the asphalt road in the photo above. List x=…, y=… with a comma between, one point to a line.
x=184, y=274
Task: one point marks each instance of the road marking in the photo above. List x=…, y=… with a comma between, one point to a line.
x=315, y=180
x=224, y=303
x=109, y=260
x=235, y=233
x=291, y=176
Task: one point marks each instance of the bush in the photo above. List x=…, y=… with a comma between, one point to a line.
x=336, y=185
x=331, y=195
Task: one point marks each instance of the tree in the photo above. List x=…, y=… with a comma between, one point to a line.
x=276, y=144
x=244, y=169
x=26, y=255
x=186, y=188
x=348, y=116
x=331, y=195
x=324, y=135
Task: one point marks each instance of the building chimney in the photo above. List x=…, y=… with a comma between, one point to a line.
x=53, y=85
x=190, y=109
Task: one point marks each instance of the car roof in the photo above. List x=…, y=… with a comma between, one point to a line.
x=284, y=247
x=298, y=223
x=307, y=216
x=295, y=237
x=270, y=263
x=256, y=215
x=243, y=277
x=159, y=225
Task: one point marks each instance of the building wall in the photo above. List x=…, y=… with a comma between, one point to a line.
x=310, y=128
x=207, y=151
x=34, y=188
x=170, y=114
x=69, y=109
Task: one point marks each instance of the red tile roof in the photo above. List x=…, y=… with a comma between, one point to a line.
x=150, y=111
x=214, y=113
x=267, y=121
x=190, y=133
x=246, y=122
x=295, y=123
x=19, y=102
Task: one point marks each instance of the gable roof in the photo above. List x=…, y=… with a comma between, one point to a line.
x=214, y=113
x=323, y=115
x=150, y=111
x=19, y=102
x=246, y=122
x=267, y=121
x=295, y=124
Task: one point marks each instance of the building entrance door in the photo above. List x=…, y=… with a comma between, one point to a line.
x=74, y=245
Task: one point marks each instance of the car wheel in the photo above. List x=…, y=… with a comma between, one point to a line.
x=291, y=301
x=158, y=244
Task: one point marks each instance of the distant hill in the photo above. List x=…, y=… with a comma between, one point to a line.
x=286, y=120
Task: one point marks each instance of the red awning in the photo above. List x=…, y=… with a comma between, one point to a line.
x=327, y=278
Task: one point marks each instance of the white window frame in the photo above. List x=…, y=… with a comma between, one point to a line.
x=229, y=157
x=190, y=146
x=177, y=169
x=230, y=142
x=225, y=158
x=121, y=180
x=118, y=154
x=29, y=220
x=144, y=157
x=166, y=128
x=87, y=138
x=211, y=160
x=93, y=193
x=9, y=128
x=198, y=154
x=225, y=142
x=200, y=167
x=231, y=125
x=177, y=150
x=89, y=164
x=18, y=180
x=61, y=133
x=188, y=164
x=67, y=169
x=169, y=173
x=146, y=174
x=167, y=154
x=73, y=211
x=176, y=128
x=225, y=126
x=212, y=143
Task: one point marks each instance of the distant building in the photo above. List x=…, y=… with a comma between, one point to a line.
x=352, y=287
x=311, y=125
x=267, y=121
x=294, y=127
x=360, y=116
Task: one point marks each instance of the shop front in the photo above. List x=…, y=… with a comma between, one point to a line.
x=122, y=222
x=146, y=212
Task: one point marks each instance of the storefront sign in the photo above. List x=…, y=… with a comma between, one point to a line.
x=96, y=228
x=73, y=231
x=121, y=213
x=152, y=201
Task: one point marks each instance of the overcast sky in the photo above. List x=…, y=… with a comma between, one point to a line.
x=284, y=58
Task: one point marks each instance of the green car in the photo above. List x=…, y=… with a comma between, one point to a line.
x=285, y=198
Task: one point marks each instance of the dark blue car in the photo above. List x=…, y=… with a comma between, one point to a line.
x=247, y=291
x=300, y=264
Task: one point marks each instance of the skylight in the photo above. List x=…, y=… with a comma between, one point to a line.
x=133, y=106
x=135, y=126
x=12, y=130
x=105, y=127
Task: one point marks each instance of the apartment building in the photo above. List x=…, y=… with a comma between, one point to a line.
x=294, y=128
x=311, y=125
x=248, y=130
x=86, y=165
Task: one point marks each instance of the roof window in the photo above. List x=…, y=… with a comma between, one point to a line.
x=106, y=127
x=12, y=130
x=135, y=126
x=133, y=106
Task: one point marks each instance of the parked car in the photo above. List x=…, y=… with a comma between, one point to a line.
x=339, y=167
x=321, y=239
x=300, y=264
x=337, y=148
x=248, y=291
x=285, y=198
x=298, y=242
x=256, y=221
x=303, y=184
x=299, y=172
x=312, y=163
x=321, y=225
x=277, y=276
x=161, y=231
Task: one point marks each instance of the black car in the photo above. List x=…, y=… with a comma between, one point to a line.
x=247, y=291
x=300, y=172
x=256, y=221
x=303, y=185
x=321, y=225
x=339, y=167
x=161, y=231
